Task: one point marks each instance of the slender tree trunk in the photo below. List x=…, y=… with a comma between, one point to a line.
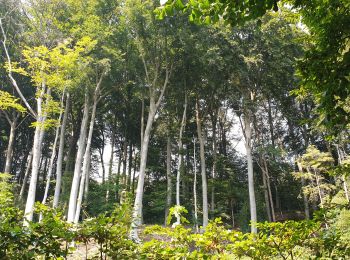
x=130, y=166
x=266, y=194
x=213, y=171
x=133, y=174
x=318, y=184
x=9, y=151
x=87, y=180
x=117, y=181
x=53, y=155
x=195, y=185
x=203, y=167
x=306, y=202
x=78, y=162
x=38, y=136
x=26, y=174
x=125, y=156
x=248, y=145
x=180, y=159
x=87, y=155
x=168, y=177
x=60, y=154
x=341, y=157
x=137, y=212
x=101, y=151
x=145, y=137
x=110, y=165
x=52, y=159
x=273, y=215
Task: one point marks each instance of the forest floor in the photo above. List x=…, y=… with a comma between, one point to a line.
x=92, y=249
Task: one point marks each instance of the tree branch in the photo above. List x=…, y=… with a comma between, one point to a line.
x=13, y=81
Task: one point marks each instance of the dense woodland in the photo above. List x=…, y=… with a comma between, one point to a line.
x=201, y=129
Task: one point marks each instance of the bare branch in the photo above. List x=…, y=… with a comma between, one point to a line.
x=13, y=81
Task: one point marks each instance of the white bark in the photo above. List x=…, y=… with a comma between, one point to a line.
x=87, y=178
x=60, y=155
x=38, y=136
x=78, y=162
x=9, y=150
x=85, y=175
x=195, y=185
x=53, y=155
x=180, y=158
x=137, y=210
x=84, y=179
x=203, y=167
x=168, y=177
x=248, y=147
x=26, y=174
x=110, y=166
x=341, y=158
x=306, y=202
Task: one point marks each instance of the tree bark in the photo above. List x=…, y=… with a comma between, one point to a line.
x=203, y=167
x=168, y=177
x=195, y=185
x=26, y=174
x=60, y=154
x=110, y=166
x=9, y=151
x=52, y=159
x=84, y=179
x=130, y=166
x=154, y=104
x=248, y=146
x=53, y=154
x=180, y=158
x=213, y=171
x=78, y=162
x=37, y=145
x=306, y=202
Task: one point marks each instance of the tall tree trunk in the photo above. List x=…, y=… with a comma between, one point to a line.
x=154, y=104
x=60, y=154
x=180, y=158
x=341, y=158
x=133, y=174
x=130, y=166
x=213, y=171
x=195, y=185
x=78, y=162
x=266, y=193
x=203, y=167
x=87, y=155
x=87, y=179
x=248, y=147
x=306, y=202
x=52, y=159
x=9, y=151
x=101, y=151
x=53, y=154
x=125, y=156
x=38, y=138
x=137, y=211
x=273, y=215
x=110, y=165
x=26, y=174
x=168, y=177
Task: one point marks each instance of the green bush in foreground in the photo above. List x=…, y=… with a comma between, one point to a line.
x=325, y=237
